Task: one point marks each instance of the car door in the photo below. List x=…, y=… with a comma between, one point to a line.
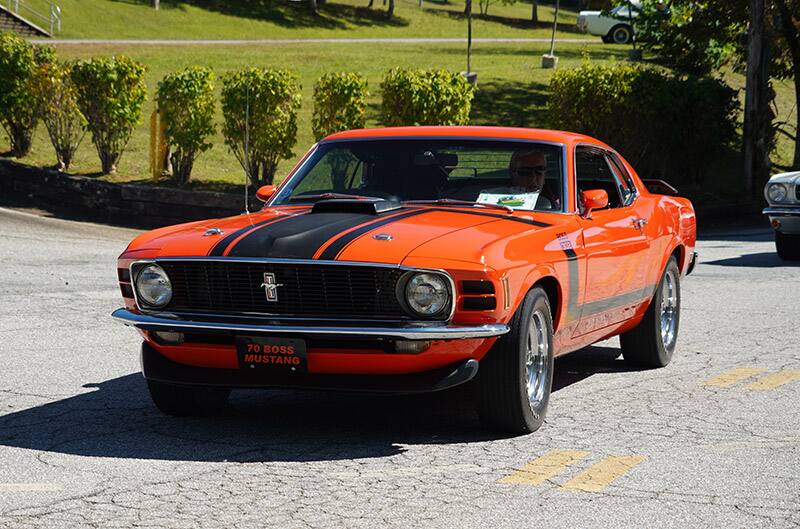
x=615, y=243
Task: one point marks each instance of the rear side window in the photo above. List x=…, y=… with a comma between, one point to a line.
x=592, y=171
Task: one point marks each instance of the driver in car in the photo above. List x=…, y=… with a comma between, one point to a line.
x=527, y=190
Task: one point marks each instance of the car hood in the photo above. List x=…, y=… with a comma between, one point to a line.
x=785, y=178
x=299, y=233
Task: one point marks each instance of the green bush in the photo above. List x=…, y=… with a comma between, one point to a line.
x=111, y=92
x=65, y=123
x=186, y=103
x=667, y=126
x=20, y=108
x=425, y=97
x=270, y=99
x=340, y=103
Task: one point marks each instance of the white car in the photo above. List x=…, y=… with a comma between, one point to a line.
x=783, y=196
x=612, y=28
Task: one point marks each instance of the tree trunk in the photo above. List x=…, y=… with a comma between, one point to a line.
x=156, y=4
x=754, y=148
x=312, y=5
x=534, y=10
x=390, y=11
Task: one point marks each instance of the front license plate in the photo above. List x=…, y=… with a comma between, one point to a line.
x=272, y=354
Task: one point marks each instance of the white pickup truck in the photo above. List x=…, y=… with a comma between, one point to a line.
x=614, y=27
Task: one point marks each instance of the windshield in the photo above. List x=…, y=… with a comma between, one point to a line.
x=520, y=175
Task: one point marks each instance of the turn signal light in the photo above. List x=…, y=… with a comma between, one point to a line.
x=411, y=346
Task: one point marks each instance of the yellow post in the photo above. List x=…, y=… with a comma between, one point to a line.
x=163, y=148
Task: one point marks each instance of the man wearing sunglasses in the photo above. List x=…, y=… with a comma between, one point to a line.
x=527, y=191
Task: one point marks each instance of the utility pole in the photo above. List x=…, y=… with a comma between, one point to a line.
x=549, y=60
x=754, y=148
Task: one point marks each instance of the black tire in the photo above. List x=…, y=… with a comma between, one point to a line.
x=179, y=400
x=606, y=39
x=646, y=345
x=502, y=384
x=788, y=246
x=620, y=34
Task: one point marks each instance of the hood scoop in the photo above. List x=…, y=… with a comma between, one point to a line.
x=352, y=205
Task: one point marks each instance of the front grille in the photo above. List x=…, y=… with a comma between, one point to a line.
x=797, y=192
x=307, y=290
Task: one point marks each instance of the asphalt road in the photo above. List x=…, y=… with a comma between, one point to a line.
x=713, y=440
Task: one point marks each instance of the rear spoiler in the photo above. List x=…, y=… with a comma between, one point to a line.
x=660, y=187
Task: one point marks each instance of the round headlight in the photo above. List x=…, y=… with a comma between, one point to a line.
x=777, y=192
x=427, y=294
x=153, y=286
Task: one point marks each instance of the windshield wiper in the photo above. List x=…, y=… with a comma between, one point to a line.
x=454, y=202
x=330, y=196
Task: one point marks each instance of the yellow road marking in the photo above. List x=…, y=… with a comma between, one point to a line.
x=774, y=380
x=600, y=475
x=729, y=378
x=29, y=487
x=543, y=468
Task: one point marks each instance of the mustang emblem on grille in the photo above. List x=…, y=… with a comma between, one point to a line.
x=270, y=286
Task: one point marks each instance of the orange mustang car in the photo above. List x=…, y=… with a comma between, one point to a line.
x=415, y=259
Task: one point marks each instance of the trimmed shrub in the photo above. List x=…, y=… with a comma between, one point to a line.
x=20, y=108
x=340, y=103
x=425, y=97
x=65, y=123
x=111, y=92
x=668, y=126
x=186, y=103
x=270, y=99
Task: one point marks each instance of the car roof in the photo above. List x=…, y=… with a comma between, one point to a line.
x=495, y=133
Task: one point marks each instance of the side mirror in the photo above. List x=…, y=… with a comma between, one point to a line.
x=593, y=199
x=265, y=192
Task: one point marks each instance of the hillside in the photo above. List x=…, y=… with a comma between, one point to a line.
x=259, y=19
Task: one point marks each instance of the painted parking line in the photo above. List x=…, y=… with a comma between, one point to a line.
x=729, y=378
x=29, y=487
x=545, y=467
x=602, y=474
x=774, y=380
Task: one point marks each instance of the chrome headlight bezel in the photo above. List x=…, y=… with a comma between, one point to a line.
x=782, y=191
x=411, y=297
x=159, y=279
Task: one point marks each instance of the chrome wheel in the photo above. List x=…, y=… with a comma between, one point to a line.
x=669, y=309
x=621, y=35
x=536, y=359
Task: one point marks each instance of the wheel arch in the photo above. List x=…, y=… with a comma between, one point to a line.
x=552, y=289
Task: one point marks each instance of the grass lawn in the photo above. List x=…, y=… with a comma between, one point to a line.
x=279, y=19
x=512, y=89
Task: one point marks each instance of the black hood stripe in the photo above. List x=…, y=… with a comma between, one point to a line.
x=218, y=249
x=339, y=244
x=299, y=237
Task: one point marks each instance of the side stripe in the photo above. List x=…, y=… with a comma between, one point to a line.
x=335, y=247
x=596, y=307
x=573, y=310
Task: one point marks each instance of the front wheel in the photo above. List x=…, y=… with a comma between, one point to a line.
x=516, y=376
x=652, y=342
x=180, y=400
x=621, y=34
x=788, y=246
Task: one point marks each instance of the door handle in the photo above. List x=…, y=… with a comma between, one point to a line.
x=639, y=224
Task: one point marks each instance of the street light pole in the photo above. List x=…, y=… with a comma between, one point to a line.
x=549, y=60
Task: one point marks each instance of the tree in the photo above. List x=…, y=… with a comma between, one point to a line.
x=111, y=92
x=786, y=20
x=65, y=123
x=20, y=108
x=186, y=102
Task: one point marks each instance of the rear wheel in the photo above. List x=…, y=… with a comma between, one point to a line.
x=606, y=39
x=788, y=246
x=621, y=34
x=515, y=377
x=652, y=342
x=179, y=400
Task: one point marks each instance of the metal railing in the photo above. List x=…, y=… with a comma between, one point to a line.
x=52, y=19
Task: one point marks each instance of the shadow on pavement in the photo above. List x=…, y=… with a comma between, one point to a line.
x=754, y=260
x=118, y=420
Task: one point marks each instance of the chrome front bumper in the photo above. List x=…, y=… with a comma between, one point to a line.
x=171, y=323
